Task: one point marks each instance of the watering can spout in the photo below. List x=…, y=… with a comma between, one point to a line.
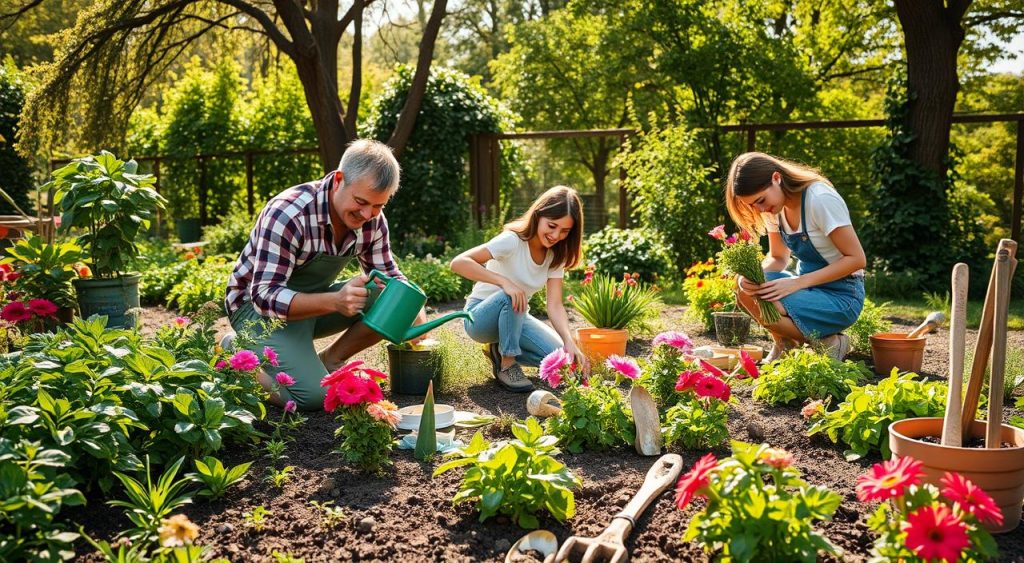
x=428, y=326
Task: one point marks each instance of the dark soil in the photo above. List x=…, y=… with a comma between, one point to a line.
x=406, y=515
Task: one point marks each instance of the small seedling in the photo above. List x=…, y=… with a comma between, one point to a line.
x=256, y=518
x=332, y=516
x=279, y=476
x=275, y=450
x=286, y=557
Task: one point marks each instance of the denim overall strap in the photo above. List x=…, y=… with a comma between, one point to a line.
x=808, y=257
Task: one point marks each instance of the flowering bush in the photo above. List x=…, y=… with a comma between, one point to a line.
x=605, y=303
x=593, y=416
x=742, y=255
x=757, y=506
x=700, y=417
x=44, y=270
x=924, y=522
x=366, y=418
x=707, y=290
x=661, y=372
x=30, y=315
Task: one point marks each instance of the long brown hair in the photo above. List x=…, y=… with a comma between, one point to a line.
x=557, y=202
x=752, y=172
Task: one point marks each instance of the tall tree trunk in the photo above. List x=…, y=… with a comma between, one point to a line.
x=325, y=108
x=932, y=38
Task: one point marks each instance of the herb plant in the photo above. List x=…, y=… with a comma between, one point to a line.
x=211, y=472
x=758, y=507
x=256, y=518
x=805, y=374
x=695, y=424
x=149, y=503
x=862, y=420
x=517, y=478
x=871, y=321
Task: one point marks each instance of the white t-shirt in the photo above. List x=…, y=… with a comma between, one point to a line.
x=512, y=259
x=825, y=212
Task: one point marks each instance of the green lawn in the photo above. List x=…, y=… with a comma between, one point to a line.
x=917, y=310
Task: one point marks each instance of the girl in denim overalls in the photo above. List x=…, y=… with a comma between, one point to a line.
x=804, y=217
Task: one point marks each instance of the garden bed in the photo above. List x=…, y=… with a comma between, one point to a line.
x=406, y=515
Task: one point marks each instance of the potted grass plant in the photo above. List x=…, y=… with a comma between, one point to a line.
x=109, y=204
x=610, y=306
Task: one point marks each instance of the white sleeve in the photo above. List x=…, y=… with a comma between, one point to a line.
x=558, y=272
x=827, y=211
x=771, y=222
x=503, y=245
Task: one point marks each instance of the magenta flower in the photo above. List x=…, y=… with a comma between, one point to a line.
x=678, y=340
x=15, y=312
x=625, y=366
x=42, y=307
x=284, y=379
x=221, y=364
x=717, y=233
x=749, y=365
x=731, y=240
x=270, y=355
x=289, y=406
x=552, y=364
x=245, y=360
x=181, y=322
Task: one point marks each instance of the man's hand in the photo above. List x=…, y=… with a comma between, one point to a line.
x=351, y=298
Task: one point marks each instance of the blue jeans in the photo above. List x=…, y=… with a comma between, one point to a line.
x=518, y=334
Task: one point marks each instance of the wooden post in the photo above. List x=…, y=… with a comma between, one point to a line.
x=623, y=196
x=751, y=136
x=1018, y=183
x=249, y=197
x=475, y=186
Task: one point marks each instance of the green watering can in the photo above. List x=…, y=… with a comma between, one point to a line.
x=392, y=313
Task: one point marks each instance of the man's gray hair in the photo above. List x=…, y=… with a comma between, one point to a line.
x=369, y=158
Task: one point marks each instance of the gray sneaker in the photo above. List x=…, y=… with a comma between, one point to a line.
x=514, y=379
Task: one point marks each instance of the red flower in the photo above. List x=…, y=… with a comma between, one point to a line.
x=710, y=386
x=712, y=369
x=700, y=284
x=933, y=532
x=348, y=391
x=15, y=312
x=42, y=307
x=688, y=379
x=889, y=479
x=749, y=365
x=971, y=498
x=694, y=480
x=744, y=235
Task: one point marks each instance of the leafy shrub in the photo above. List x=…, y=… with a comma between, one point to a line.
x=660, y=373
x=435, y=278
x=15, y=171
x=434, y=159
x=592, y=418
x=617, y=251
x=46, y=269
x=517, y=478
x=862, y=420
x=804, y=374
x=156, y=283
x=707, y=290
x=882, y=282
x=758, y=507
x=871, y=321
x=202, y=284
x=696, y=424
x=154, y=253
x=231, y=235
x=673, y=191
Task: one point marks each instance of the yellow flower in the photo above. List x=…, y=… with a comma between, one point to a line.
x=177, y=531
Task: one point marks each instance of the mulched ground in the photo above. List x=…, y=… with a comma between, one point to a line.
x=406, y=515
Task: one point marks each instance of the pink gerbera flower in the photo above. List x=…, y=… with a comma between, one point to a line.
x=971, y=498
x=934, y=532
x=694, y=480
x=289, y=406
x=221, y=364
x=283, y=378
x=889, y=479
x=347, y=391
x=688, y=380
x=245, y=360
x=270, y=355
x=675, y=339
x=15, y=312
x=623, y=365
x=718, y=233
x=42, y=307
x=552, y=364
x=710, y=386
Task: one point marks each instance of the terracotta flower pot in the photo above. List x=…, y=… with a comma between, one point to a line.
x=894, y=349
x=599, y=343
x=999, y=472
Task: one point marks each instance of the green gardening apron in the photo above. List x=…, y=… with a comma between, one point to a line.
x=293, y=342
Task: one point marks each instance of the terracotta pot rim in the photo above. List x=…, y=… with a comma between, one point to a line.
x=896, y=337
x=894, y=430
x=590, y=330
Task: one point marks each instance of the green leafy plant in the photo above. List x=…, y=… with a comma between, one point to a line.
x=862, y=420
x=615, y=251
x=660, y=372
x=200, y=286
x=696, y=424
x=279, y=476
x=330, y=516
x=286, y=557
x=757, y=507
x=274, y=449
x=211, y=472
x=921, y=522
x=707, y=290
x=517, y=478
x=111, y=202
x=435, y=278
x=805, y=374
x=46, y=269
x=231, y=235
x=156, y=283
x=605, y=303
x=150, y=503
x=871, y=321
x=256, y=518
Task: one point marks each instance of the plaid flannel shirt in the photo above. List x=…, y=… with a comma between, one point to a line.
x=294, y=227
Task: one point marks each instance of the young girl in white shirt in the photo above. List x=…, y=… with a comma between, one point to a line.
x=804, y=217
x=532, y=253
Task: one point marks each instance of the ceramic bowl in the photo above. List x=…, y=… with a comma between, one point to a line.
x=444, y=416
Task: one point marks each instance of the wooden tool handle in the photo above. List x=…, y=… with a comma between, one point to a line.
x=983, y=345
x=951, y=434
x=662, y=475
x=995, y=386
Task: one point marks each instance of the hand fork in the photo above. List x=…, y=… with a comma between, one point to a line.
x=609, y=546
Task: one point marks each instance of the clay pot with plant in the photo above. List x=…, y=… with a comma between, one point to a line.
x=110, y=205
x=610, y=306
